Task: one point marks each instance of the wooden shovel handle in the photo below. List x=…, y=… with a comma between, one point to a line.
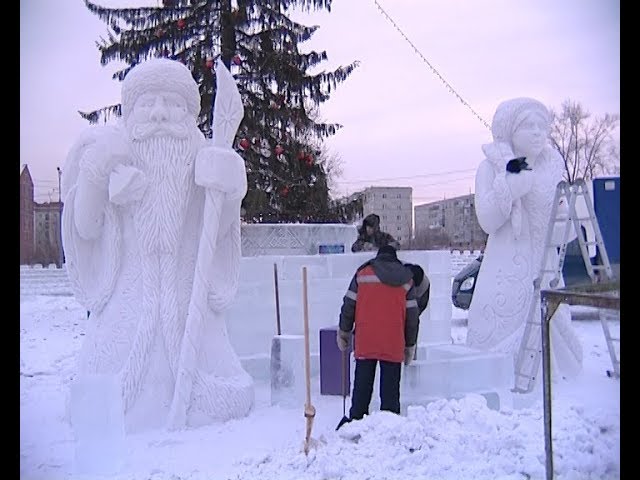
x=275, y=281
x=307, y=359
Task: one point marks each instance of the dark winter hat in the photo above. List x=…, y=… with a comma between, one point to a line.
x=371, y=220
x=417, y=271
x=388, y=250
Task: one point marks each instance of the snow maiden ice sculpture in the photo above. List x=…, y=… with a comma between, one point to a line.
x=151, y=231
x=515, y=209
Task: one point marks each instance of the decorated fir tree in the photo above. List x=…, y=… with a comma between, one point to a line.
x=279, y=137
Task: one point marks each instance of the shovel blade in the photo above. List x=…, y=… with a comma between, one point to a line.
x=344, y=420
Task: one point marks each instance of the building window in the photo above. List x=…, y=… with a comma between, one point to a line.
x=399, y=207
x=398, y=228
x=399, y=217
x=384, y=195
x=399, y=195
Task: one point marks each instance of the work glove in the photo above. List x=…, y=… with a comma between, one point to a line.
x=342, y=339
x=368, y=247
x=409, y=353
x=516, y=165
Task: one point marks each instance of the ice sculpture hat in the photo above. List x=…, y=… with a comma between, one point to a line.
x=511, y=113
x=160, y=74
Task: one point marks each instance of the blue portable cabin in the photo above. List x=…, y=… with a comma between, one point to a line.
x=606, y=203
x=604, y=193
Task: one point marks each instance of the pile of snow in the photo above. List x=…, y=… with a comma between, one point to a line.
x=452, y=439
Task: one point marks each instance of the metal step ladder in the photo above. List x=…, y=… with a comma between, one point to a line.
x=529, y=354
x=615, y=358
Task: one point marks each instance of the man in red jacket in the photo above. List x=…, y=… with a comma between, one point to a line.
x=381, y=304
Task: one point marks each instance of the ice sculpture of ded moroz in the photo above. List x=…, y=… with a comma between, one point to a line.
x=514, y=208
x=151, y=232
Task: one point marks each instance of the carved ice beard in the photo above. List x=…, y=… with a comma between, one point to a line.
x=168, y=164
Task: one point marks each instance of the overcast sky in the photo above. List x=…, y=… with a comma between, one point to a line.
x=401, y=124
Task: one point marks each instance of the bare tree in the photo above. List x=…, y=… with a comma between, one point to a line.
x=331, y=160
x=586, y=144
x=333, y=167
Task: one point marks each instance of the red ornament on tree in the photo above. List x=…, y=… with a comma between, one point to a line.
x=279, y=150
x=209, y=62
x=308, y=160
x=301, y=155
x=181, y=23
x=236, y=60
x=244, y=144
x=284, y=191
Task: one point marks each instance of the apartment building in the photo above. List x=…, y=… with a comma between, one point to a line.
x=48, y=239
x=456, y=217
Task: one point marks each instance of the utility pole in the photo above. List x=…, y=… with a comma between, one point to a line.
x=60, y=252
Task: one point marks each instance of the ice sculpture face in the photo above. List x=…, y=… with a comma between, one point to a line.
x=158, y=114
x=530, y=136
x=151, y=232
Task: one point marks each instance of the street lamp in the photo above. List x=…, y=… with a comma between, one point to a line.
x=59, y=191
x=60, y=253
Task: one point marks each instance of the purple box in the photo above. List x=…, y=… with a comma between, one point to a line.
x=331, y=369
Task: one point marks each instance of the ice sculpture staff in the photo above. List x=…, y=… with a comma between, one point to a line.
x=151, y=229
x=513, y=202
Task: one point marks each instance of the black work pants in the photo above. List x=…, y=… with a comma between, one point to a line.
x=363, y=387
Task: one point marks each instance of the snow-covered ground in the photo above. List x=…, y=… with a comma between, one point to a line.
x=456, y=439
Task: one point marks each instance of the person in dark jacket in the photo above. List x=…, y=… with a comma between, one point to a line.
x=370, y=237
x=422, y=285
x=381, y=304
